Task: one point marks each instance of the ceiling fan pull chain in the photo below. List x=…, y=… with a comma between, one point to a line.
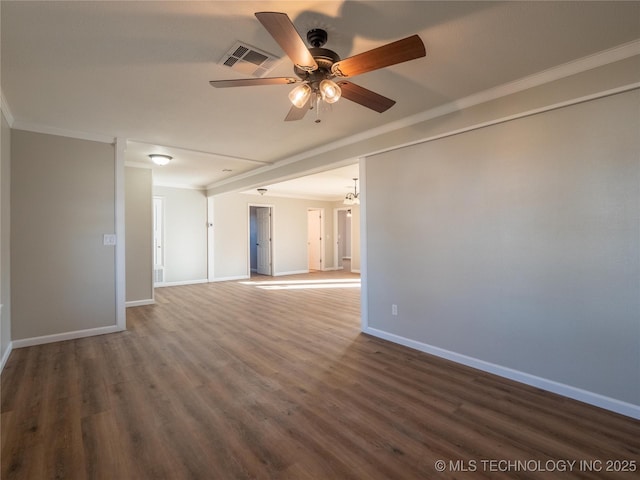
x=318, y=108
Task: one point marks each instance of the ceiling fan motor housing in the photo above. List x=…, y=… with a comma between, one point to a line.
x=324, y=57
x=317, y=37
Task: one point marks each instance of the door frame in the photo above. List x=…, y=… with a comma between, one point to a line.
x=271, y=249
x=161, y=233
x=335, y=235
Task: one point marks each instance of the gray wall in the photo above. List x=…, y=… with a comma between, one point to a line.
x=185, y=242
x=5, y=227
x=62, y=203
x=231, y=233
x=139, y=234
x=517, y=245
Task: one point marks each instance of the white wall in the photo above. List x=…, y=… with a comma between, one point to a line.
x=516, y=245
x=185, y=239
x=231, y=234
x=62, y=203
x=139, y=235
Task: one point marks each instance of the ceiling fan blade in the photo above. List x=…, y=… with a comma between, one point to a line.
x=365, y=97
x=250, y=82
x=296, y=113
x=393, y=53
x=284, y=32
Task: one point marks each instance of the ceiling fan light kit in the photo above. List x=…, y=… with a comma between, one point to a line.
x=316, y=67
x=299, y=96
x=330, y=91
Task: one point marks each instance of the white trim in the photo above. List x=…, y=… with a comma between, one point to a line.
x=211, y=239
x=322, y=239
x=61, y=132
x=364, y=290
x=230, y=279
x=6, y=111
x=5, y=357
x=575, y=393
x=121, y=279
x=293, y=272
x=515, y=116
x=272, y=217
x=61, y=337
x=184, y=186
x=140, y=303
x=181, y=283
x=298, y=196
x=355, y=270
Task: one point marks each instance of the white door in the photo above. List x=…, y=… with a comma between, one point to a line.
x=263, y=242
x=314, y=242
x=158, y=240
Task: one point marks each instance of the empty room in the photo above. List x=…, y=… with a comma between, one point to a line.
x=319, y=240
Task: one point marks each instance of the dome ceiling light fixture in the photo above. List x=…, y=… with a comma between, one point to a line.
x=321, y=72
x=160, y=159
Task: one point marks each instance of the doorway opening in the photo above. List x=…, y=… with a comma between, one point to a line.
x=342, y=226
x=260, y=240
x=315, y=238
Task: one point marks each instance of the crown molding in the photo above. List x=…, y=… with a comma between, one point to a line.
x=179, y=185
x=61, y=132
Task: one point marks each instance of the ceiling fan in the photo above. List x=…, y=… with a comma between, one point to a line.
x=317, y=67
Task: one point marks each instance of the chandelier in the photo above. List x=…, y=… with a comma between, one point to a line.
x=353, y=198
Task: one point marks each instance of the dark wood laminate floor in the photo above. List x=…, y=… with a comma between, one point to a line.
x=275, y=381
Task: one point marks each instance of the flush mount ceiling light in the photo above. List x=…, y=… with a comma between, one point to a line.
x=262, y=191
x=159, y=159
x=353, y=198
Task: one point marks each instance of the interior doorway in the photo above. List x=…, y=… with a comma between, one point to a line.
x=315, y=236
x=260, y=239
x=158, y=241
x=342, y=222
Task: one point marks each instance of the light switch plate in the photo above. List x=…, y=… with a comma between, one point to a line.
x=109, y=239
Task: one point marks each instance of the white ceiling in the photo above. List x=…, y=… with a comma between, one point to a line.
x=140, y=70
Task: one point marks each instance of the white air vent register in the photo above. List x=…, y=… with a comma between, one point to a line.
x=249, y=60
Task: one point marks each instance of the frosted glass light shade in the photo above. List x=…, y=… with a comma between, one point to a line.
x=330, y=91
x=160, y=159
x=300, y=95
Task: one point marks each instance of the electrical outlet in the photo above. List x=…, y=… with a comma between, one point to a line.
x=394, y=309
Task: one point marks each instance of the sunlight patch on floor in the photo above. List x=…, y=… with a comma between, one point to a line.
x=304, y=284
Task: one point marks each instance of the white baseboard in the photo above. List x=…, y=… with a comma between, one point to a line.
x=5, y=357
x=230, y=279
x=60, y=337
x=355, y=270
x=140, y=303
x=181, y=283
x=294, y=272
x=579, y=394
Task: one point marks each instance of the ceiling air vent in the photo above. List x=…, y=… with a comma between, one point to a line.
x=249, y=60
